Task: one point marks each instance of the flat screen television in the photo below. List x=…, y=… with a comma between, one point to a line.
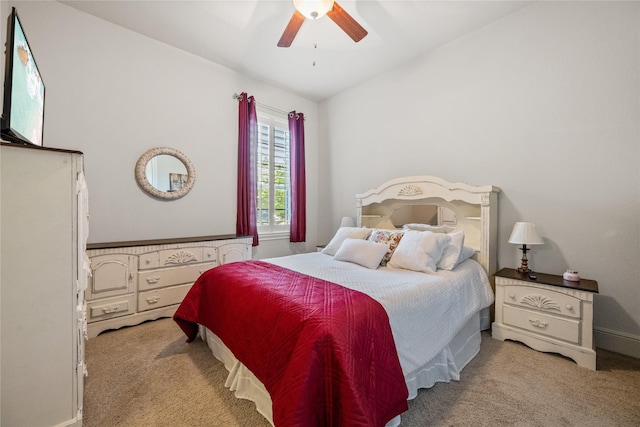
x=23, y=108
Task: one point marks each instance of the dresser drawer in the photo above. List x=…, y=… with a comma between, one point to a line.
x=149, y=260
x=162, y=297
x=169, y=257
x=160, y=278
x=110, y=308
x=177, y=256
x=543, y=324
x=544, y=300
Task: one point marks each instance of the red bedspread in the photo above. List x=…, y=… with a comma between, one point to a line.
x=324, y=352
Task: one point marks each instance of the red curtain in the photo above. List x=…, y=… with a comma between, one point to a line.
x=298, y=230
x=247, y=136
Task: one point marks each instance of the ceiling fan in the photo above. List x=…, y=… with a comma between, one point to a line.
x=314, y=9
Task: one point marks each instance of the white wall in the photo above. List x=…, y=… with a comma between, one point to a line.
x=543, y=104
x=113, y=94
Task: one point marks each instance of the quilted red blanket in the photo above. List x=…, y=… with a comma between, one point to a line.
x=324, y=352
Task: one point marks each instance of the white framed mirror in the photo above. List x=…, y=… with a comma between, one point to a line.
x=165, y=173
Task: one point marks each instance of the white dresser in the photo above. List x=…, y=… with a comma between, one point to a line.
x=44, y=228
x=143, y=280
x=547, y=313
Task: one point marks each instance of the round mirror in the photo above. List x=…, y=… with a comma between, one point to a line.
x=165, y=173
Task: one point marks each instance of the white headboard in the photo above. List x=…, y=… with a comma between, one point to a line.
x=475, y=207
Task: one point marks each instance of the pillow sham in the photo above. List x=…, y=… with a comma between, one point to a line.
x=419, y=251
x=342, y=234
x=429, y=227
x=362, y=252
x=466, y=253
x=390, y=237
x=452, y=252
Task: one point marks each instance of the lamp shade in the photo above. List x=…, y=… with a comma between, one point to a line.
x=313, y=9
x=525, y=233
x=347, y=221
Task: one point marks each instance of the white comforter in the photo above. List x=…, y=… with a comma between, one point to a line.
x=425, y=310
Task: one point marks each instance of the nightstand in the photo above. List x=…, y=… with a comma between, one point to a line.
x=548, y=314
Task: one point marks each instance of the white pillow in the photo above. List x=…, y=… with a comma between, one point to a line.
x=419, y=251
x=452, y=252
x=345, y=233
x=363, y=252
x=465, y=254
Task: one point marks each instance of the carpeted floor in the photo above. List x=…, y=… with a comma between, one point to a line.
x=148, y=376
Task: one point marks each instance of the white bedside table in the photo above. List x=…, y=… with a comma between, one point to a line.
x=548, y=314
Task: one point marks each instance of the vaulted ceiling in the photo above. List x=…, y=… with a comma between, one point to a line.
x=323, y=60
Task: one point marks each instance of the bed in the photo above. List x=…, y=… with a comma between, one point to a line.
x=347, y=335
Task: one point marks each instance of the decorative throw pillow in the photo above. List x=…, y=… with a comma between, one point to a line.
x=452, y=252
x=362, y=252
x=342, y=234
x=390, y=237
x=419, y=251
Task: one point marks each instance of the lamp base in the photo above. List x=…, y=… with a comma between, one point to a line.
x=524, y=263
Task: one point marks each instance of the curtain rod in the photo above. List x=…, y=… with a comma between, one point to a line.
x=277, y=110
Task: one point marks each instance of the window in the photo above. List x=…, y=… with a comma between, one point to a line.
x=273, y=204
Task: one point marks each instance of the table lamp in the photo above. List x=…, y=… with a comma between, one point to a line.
x=525, y=233
x=347, y=221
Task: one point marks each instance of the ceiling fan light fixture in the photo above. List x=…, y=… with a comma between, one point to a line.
x=313, y=9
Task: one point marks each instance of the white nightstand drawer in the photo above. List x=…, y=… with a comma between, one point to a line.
x=162, y=297
x=540, y=323
x=543, y=299
x=154, y=279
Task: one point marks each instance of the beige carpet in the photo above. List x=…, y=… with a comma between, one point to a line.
x=148, y=376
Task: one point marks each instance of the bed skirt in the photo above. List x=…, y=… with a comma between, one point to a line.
x=444, y=367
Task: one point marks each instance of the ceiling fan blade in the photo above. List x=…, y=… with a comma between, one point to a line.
x=292, y=29
x=347, y=23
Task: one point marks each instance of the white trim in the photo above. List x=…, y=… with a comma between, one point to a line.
x=72, y=422
x=619, y=342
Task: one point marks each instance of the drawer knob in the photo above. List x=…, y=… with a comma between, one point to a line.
x=568, y=307
x=153, y=300
x=152, y=280
x=538, y=323
x=512, y=296
x=148, y=261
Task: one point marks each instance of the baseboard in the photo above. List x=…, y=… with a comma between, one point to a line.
x=74, y=422
x=618, y=342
